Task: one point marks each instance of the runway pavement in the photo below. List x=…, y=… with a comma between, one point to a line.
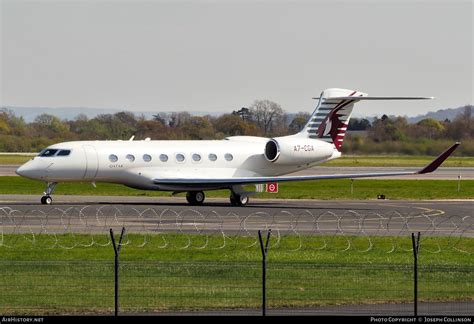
x=222, y=205
x=173, y=214
x=8, y=170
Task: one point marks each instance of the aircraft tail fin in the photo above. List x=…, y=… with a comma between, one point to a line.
x=330, y=119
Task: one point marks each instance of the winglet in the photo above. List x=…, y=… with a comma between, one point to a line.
x=439, y=160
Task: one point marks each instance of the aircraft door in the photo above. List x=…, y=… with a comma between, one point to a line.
x=92, y=162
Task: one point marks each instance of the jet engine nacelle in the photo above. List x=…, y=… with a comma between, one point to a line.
x=297, y=150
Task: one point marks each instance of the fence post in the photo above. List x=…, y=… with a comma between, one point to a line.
x=117, y=254
x=416, y=248
x=264, y=249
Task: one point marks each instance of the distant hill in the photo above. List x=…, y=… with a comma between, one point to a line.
x=442, y=114
x=29, y=113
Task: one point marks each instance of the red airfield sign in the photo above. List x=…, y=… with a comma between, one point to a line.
x=272, y=187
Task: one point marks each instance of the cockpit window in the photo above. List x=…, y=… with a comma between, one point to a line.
x=64, y=153
x=48, y=152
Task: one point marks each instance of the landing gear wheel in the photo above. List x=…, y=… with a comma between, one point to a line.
x=195, y=197
x=46, y=200
x=243, y=200
x=239, y=200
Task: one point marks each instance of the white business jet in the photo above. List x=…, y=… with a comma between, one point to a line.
x=196, y=166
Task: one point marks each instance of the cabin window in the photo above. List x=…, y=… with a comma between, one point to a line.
x=130, y=157
x=228, y=157
x=196, y=157
x=180, y=157
x=48, y=152
x=64, y=153
x=163, y=157
x=113, y=158
x=212, y=157
x=146, y=157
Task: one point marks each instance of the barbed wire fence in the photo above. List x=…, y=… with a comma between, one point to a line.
x=87, y=226
x=150, y=285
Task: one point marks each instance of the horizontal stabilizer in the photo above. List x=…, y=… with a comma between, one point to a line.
x=376, y=98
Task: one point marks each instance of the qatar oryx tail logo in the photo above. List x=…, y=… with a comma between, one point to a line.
x=330, y=119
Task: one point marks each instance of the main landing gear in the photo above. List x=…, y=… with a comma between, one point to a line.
x=46, y=199
x=195, y=198
x=238, y=200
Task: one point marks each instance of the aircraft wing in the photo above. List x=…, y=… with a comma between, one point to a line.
x=432, y=166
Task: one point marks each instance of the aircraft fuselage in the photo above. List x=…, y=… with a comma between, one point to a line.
x=137, y=163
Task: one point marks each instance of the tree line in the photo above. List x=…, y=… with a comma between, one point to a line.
x=384, y=135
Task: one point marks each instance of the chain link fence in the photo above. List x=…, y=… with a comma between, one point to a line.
x=151, y=287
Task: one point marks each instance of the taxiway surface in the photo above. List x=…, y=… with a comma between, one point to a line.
x=22, y=213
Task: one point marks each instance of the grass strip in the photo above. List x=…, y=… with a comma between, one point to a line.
x=321, y=189
x=67, y=278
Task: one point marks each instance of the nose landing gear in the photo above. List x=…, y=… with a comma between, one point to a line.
x=46, y=199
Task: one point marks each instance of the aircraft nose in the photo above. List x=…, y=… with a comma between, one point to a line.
x=28, y=170
x=25, y=170
x=20, y=171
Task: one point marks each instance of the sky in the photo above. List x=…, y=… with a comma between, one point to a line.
x=219, y=56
